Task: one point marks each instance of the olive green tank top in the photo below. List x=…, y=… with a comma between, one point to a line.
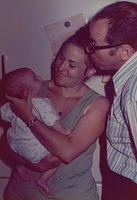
x=74, y=181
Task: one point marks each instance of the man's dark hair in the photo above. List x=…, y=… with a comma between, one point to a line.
x=122, y=21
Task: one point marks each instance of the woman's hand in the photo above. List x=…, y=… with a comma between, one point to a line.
x=22, y=107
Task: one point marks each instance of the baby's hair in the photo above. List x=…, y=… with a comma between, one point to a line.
x=14, y=84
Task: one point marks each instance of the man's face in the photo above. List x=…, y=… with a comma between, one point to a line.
x=104, y=59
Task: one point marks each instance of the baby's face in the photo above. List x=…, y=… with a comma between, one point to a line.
x=34, y=82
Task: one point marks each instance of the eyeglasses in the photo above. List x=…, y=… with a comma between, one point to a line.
x=91, y=48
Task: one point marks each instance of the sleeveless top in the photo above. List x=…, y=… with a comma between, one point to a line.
x=73, y=181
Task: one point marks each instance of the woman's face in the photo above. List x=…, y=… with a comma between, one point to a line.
x=69, y=66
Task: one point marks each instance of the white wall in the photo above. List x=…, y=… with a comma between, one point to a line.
x=24, y=41
x=22, y=34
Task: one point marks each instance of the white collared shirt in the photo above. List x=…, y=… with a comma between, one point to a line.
x=122, y=122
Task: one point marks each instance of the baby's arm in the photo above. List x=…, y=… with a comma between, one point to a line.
x=54, y=163
x=13, y=159
x=53, y=160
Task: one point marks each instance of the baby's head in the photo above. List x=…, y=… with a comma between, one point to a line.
x=17, y=82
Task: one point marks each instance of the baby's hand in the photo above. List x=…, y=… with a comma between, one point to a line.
x=23, y=173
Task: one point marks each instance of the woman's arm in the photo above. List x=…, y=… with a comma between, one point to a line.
x=86, y=132
x=12, y=159
x=88, y=129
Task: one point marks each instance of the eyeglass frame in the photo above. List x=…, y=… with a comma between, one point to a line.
x=92, y=48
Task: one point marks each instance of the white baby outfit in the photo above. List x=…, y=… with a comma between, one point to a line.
x=20, y=137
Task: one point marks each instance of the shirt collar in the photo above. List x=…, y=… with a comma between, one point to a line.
x=124, y=73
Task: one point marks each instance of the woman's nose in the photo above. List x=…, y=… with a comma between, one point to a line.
x=63, y=65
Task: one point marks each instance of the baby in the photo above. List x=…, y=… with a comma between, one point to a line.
x=19, y=135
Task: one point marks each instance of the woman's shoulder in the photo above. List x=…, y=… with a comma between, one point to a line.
x=92, y=94
x=97, y=99
x=101, y=103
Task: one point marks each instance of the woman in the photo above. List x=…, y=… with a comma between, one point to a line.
x=83, y=111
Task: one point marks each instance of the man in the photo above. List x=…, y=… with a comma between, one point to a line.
x=113, y=46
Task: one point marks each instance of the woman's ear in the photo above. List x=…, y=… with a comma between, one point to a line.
x=89, y=72
x=126, y=52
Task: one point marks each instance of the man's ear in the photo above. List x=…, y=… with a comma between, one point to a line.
x=126, y=52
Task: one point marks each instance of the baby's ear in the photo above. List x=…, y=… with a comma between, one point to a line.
x=25, y=93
